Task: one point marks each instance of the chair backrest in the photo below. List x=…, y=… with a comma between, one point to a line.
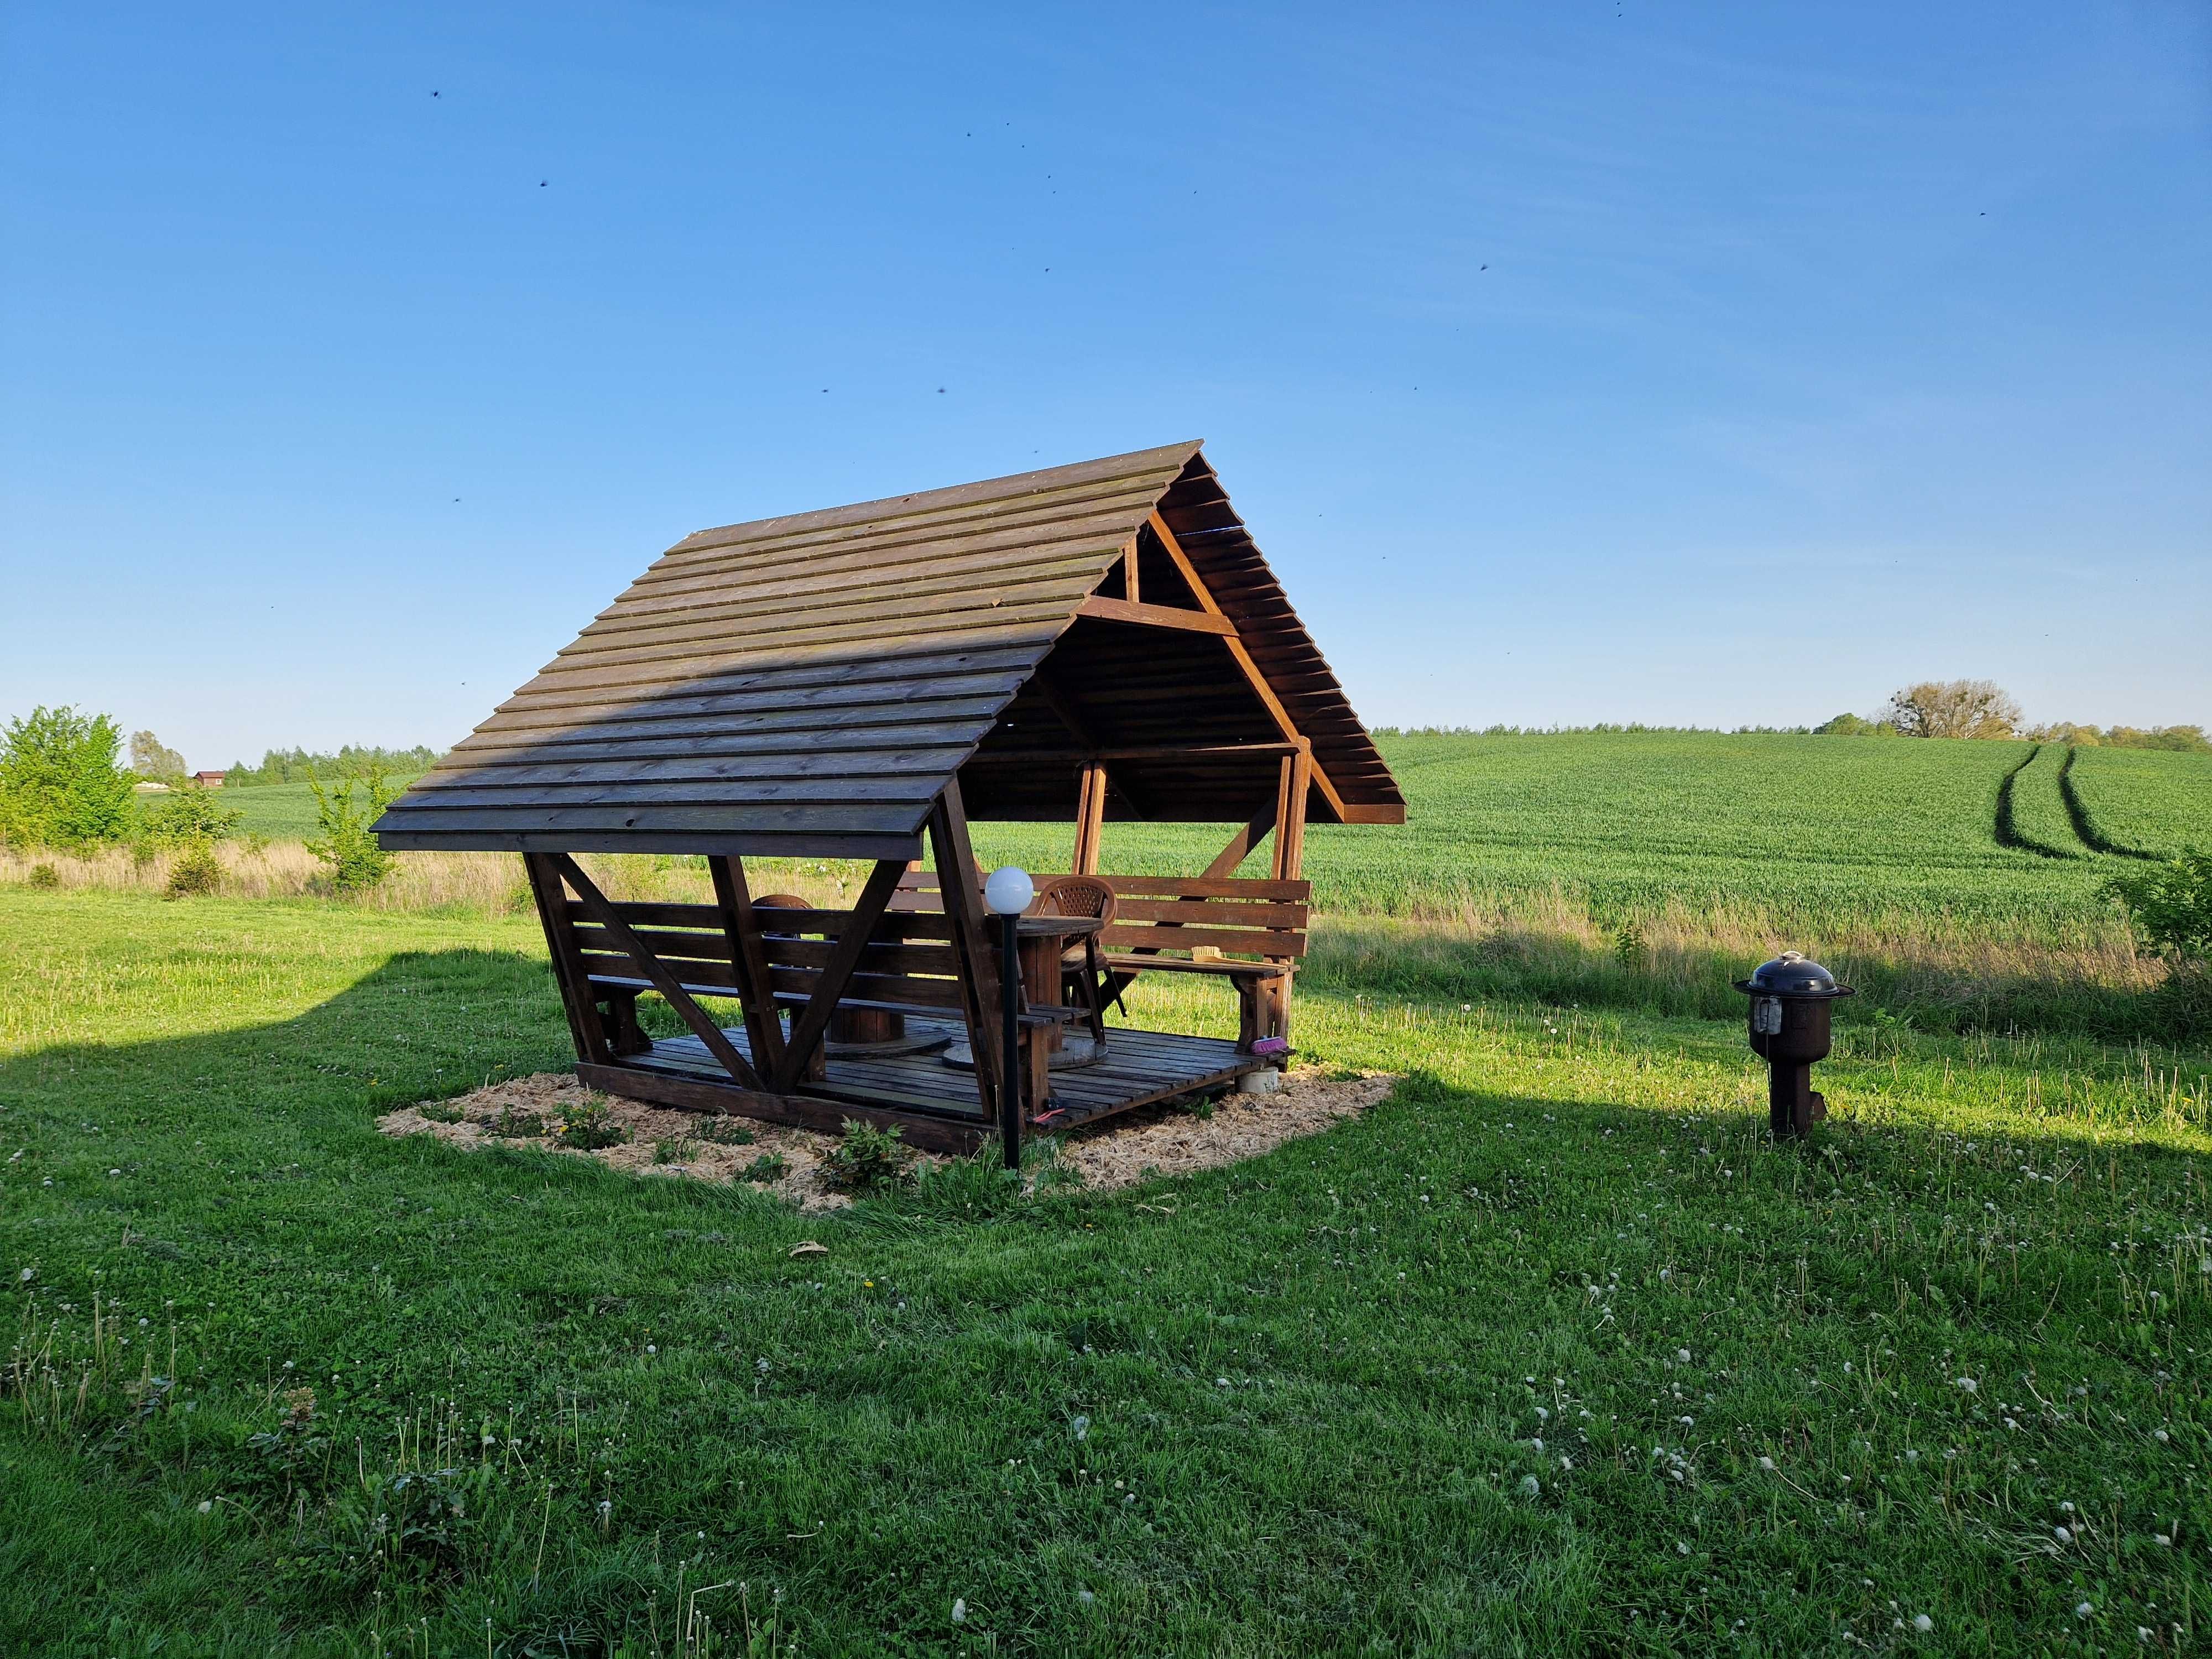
x=1076, y=896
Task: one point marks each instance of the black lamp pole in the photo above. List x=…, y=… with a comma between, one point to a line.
x=1010, y=1077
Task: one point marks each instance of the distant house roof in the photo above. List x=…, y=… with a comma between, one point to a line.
x=809, y=685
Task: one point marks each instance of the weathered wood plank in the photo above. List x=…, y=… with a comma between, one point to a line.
x=665, y=982
x=813, y=1020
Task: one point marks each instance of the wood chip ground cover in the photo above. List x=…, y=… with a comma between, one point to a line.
x=1119, y=1152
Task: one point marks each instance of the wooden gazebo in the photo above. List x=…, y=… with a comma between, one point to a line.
x=1094, y=642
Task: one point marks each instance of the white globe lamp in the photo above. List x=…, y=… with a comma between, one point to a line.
x=1009, y=891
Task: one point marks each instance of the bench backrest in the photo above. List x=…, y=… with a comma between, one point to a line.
x=908, y=964
x=1226, y=914
x=1241, y=918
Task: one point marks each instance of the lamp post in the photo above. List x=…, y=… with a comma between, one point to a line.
x=1005, y=895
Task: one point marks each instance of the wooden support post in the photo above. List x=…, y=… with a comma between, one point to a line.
x=568, y=972
x=1129, y=573
x=1089, y=819
x=755, y=986
x=807, y=1029
x=1296, y=778
x=961, y=888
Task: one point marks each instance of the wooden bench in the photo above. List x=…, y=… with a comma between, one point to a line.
x=1250, y=933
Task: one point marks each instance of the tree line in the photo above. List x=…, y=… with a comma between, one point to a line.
x=1982, y=708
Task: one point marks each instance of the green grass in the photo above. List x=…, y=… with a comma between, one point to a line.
x=1308, y=1388
x=2144, y=799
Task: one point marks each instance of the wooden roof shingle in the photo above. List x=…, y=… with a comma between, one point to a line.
x=808, y=684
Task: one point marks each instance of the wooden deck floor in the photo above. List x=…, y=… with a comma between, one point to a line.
x=1140, y=1068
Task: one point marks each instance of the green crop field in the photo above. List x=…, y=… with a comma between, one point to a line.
x=2144, y=801
x=282, y=811
x=1818, y=829
x=1550, y=1354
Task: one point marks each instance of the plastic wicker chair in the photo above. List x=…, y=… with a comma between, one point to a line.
x=1082, y=965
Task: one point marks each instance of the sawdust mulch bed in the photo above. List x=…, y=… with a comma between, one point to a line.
x=661, y=1141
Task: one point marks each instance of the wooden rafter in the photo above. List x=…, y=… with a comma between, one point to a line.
x=618, y=931
x=813, y=1020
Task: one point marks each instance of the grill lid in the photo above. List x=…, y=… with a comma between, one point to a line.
x=1791, y=975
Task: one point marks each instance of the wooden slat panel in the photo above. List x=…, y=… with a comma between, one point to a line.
x=1216, y=887
x=1214, y=911
x=881, y=990
x=1257, y=942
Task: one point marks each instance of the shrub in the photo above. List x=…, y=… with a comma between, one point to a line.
x=45, y=875
x=1629, y=949
x=768, y=1166
x=2170, y=904
x=59, y=785
x=190, y=812
x=674, y=1150
x=868, y=1159
x=195, y=872
x=343, y=838
x=587, y=1126
x=439, y=1111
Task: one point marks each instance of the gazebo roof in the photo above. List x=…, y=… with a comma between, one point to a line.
x=809, y=685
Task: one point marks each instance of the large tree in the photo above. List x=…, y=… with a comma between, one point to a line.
x=1954, y=708
x=59, y=785
x=151, y=758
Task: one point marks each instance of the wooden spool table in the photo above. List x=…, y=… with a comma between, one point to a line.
x=1043, y=941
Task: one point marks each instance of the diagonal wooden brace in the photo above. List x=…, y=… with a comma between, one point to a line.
x=813, y=1020
x=700, y=1022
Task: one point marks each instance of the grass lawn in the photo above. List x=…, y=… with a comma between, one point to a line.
x=1550, y=1354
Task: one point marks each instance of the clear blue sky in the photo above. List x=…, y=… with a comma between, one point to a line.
x=1572, y=362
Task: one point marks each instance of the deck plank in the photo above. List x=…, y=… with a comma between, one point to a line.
x=1142, y=1067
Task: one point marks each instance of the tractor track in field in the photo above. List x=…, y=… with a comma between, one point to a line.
x=2004, y=828
x=2077, y=813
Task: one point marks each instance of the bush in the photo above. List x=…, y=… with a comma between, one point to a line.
x=768, y=1166
x=343, y=839
x=868, y=1159
x=190, y=812
x=587, y=1126
x=45, y=875
x=2169, y=905
x=514, y=1124
x=59, y=785
x=195, y=872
